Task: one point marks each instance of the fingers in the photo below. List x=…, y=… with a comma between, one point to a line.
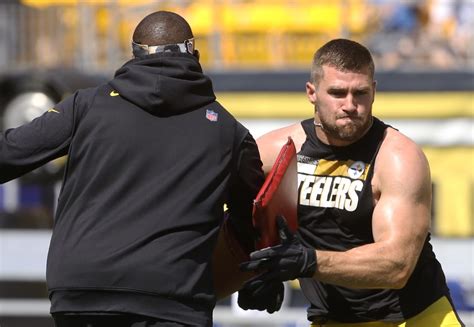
x=272, y=257
x=261, y=294
x=268, y=258
x=255, y=264
x=253, y=286
x=280, y=296
x=277, y=292
x=246, y=299
x=265, y=253
x=266, y=277
x=256, y=281
x=262, y=260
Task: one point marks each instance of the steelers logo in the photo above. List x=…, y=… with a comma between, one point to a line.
x=356, y=169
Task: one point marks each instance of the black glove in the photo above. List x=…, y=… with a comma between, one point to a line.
x=287, y=261
x=260, y=295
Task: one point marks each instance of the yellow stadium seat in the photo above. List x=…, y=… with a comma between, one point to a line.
x=45, y=3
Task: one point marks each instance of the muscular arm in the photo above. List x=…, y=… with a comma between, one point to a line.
x=400, y=222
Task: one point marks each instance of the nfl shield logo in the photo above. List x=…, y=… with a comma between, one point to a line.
x=211, y=115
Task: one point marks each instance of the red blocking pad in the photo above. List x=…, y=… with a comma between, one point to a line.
x=278, y=196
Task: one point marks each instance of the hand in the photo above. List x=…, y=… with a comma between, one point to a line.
x=260, y=295
x=287, y=261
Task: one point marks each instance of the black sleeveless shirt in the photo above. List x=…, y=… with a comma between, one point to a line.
x=335, y=206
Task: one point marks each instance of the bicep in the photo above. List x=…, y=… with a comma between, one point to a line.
x=402, y=214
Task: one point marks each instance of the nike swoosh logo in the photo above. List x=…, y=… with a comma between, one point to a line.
x=53, y=110
x=114, y=93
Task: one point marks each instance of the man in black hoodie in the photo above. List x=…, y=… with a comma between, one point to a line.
x=152, y=158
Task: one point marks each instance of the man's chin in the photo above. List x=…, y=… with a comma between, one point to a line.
x=349, y=133
x=352, y=131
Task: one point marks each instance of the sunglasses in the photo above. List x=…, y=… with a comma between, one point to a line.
x=140, y=50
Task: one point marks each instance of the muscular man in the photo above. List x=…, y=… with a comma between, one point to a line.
x=362, y=251
x=152, y=158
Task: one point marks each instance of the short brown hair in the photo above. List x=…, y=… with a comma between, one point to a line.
x=342, y=54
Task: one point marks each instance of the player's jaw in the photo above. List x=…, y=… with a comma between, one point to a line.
x=346, y=128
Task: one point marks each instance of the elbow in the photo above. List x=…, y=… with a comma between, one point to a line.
x=400, y=275
x=399, y=283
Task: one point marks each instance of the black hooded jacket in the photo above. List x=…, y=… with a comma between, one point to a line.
x=152, y=158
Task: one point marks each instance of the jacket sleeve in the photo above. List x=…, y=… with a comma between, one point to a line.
x=245, y=184
x=45, y=138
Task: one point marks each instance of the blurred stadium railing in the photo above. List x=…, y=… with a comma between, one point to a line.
x=239, y=34
x=258, y=54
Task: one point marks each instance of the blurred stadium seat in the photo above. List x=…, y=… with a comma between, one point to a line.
x=244, y=34
x=459, y=296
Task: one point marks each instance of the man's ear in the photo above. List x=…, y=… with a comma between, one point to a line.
x=374, y=86
x=311, y=92
x=196, y=54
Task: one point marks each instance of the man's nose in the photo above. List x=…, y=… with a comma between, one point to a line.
x=350, y=103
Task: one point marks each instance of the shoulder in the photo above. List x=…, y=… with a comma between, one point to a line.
x=224, y=115
x=277, y=138
x=271, y=143
x=85, y=97
x=397, y=148
x=77, y=100
x=89, y=93
x=401, y=165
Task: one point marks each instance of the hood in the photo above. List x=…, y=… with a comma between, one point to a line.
x=164, y=84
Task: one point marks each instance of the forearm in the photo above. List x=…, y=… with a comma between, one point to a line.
x=20, y=155
x=400, y=231
x=368, y=266
x=382, y=264
x=47, y=137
